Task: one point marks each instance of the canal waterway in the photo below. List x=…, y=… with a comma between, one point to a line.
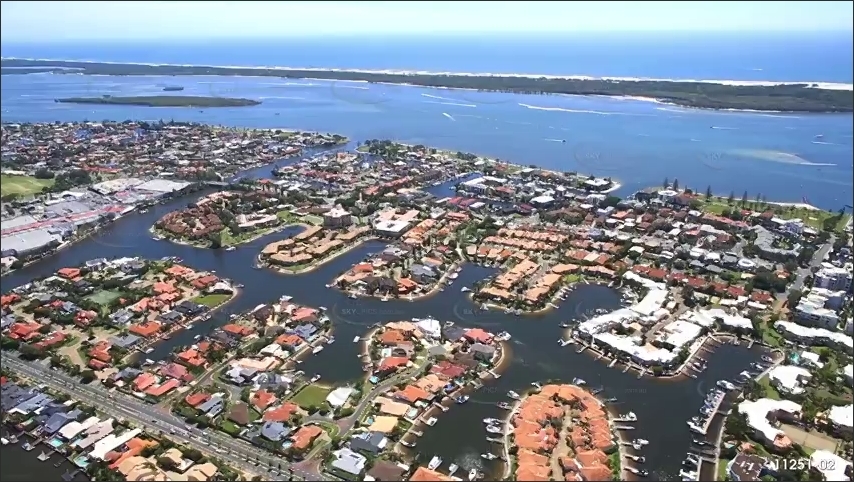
x=662, y=406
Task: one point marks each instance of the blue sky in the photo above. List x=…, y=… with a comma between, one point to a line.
x=24, y=21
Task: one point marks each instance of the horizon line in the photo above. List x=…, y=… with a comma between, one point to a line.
x=380, y=35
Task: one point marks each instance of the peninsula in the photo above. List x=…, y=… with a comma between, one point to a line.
x=781, y=97
x=163, y=101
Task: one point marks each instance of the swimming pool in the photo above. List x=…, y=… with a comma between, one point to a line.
x=55, y=443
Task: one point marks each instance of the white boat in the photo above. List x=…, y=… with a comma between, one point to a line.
x=452, y=469
x=726, y=385
x=435, y=462
x=491, y=421
x=578, y=381
x=432, y=421
x=356, y=339
x=462, y=399
x=489, y=456
x=513, y=395
x=317, y=349
x=640, y=441
x=4, y=441
x=149, y=349
x=353, y=296
x=473, y=474
x=197, y=337
x=628, y=417
x=314, y=379
x=494, y=429
x=331, y=340
x=465, y=289
x=453, y=276
x=230, y=248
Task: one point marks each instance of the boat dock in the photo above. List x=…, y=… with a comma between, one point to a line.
x=642, y=372
x=750, y=343
x=628, y=367
x=581, y=350
x=494, y=374
x=613, y=362
x=417, y=433
x=708, y=421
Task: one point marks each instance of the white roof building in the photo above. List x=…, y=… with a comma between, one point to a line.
x=757, y=415
x=339, y=396
x=789, y=378
x=831, y=466
x=842, y=416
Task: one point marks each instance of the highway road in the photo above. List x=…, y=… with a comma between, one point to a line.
x=240, y=454
x=817, y=259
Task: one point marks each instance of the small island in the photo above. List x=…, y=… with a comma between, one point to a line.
x=163, y=101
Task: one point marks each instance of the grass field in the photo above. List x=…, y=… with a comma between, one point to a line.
x=104, y=297
x=311, y=395
x=811, y=217
x=22, y=185
x=212, y=300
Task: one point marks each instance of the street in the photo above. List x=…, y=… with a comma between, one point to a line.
x=237, y=453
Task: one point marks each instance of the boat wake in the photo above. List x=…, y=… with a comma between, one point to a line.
x=449, y=103
x=449, y=116
x=580, y=111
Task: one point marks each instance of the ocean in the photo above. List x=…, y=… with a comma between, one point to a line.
x=728, y=56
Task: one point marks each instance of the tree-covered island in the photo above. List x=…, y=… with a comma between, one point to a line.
x=784, y=97
x=163, y=101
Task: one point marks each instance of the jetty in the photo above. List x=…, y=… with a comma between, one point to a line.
x=613, y=362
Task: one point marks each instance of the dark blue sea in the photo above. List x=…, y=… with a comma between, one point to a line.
x=723, y=56
x=783, y=157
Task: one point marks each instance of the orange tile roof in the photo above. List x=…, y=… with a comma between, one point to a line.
x=423, y=474
x=304, y=437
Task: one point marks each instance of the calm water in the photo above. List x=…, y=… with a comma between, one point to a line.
x=640, y=143
x=536, y=354
x=20, y=465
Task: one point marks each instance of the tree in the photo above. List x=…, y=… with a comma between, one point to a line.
x=793, y=298
x=666, y=183
x=731, y=198
x=709, y=193
x=744, y=199
x=87, y=376
x=675, y=184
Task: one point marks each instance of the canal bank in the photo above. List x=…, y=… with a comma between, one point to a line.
x=536, y=354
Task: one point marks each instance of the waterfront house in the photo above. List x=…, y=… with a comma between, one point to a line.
x=371, y=443
x=483, y=352
x=763, y=416
x=384, y=471
x=423, y=474
x=59, y=420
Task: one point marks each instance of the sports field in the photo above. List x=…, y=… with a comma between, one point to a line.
x=22, y=185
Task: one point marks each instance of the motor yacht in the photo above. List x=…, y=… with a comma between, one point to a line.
x=489, y=456
x=462, y=399
x=513, y=395
x=434, y=463
x=473, y=474
x=494, y=429
x=628, y=417
x=491, y=421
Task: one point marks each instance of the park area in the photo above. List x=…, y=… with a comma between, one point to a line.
x=22, y=185
x=311, y=396
x=812, y=217
x=212, y=300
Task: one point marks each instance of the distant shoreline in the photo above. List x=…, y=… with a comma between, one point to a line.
x=814, y=97
x=163, y=101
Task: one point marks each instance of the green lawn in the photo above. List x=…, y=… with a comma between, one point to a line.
x=311, y=395
x=315, y=220
x=722, y=463
x=212, y=300
x=811, y=217
x=770, y=391
x=22, y=185
x=104, y=297
x=287, y=217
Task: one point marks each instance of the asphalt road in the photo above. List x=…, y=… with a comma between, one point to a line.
x=817, y=259
x=238, y=453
